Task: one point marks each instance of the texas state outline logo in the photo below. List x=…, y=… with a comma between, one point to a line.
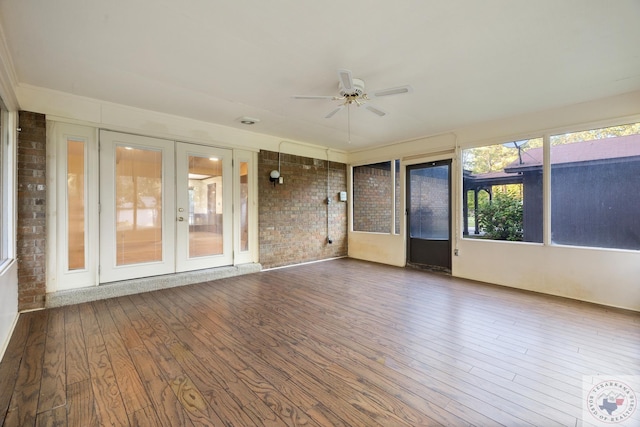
x=611, y=401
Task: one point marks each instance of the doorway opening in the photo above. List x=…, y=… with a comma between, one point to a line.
x=429, y=219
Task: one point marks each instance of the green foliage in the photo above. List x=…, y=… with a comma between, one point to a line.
x=494, y=158
x=501, y=218
x=587, y=135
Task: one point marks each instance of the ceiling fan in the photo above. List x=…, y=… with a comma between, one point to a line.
x=351, y=91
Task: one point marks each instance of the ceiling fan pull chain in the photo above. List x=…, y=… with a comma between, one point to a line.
x=349, y=121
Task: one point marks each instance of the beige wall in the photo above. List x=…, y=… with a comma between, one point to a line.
x=604, y=276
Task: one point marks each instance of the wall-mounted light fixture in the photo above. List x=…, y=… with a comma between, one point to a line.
x=274, y=177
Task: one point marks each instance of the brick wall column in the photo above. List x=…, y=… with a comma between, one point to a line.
x=31, y=206
x=293, y=216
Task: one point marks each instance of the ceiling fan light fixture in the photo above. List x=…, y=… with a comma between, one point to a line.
x=351, y=91
x=355, y=90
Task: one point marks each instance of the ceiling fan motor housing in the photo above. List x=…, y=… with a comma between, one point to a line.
x=357, y=91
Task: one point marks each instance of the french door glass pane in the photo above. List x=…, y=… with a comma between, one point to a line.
x=205, y=206
x=75, y=204
x=138, y=205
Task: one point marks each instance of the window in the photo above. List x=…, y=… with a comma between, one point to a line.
x=138, y=195
x=397, y=198
x=595, y=188
x=76, y=209
x=373, y=197
x=244, y=206
x=5, y=217
x=502, y=186
x=73, y=240
x=243, y=196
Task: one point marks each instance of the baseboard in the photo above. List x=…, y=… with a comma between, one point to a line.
x=303, y=263
x=5, y=345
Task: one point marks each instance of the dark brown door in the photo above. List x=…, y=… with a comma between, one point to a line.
x=429, y=215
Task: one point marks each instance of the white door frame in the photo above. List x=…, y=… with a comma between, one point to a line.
x=99, y=195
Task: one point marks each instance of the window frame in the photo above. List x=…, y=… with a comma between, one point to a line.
x=463, y=198
x=395, y=186
x=251, y=253
x=545, y=134
x=59, y=276
x=549, y=170
x=8, y=138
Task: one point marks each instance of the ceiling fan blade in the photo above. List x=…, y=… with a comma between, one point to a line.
x=313, y=97
x=393, y=91
x=346, y=80
x=375, y=110
x=328, y=116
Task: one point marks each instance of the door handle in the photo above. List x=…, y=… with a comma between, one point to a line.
x=180, y=218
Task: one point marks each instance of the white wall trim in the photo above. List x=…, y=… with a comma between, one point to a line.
x=73, y=109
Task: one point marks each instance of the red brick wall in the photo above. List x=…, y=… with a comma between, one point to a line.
x=372, y=199
x=293, y=216
x=31, y=206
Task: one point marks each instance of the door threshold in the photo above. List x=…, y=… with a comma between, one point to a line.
x=146, y=284
x=431, y=268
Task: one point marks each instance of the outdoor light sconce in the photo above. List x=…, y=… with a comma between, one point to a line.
x=275, y=177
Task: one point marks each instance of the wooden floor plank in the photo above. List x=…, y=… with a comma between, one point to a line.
x=145, y=417
x=109, y=405
x=166, y=405
x=11, y=361
x=81, y=408
x=290, y=414
x=126, y=375
x=24, y=400
x=24, y=403
x=193, y=402
x=339, y=343
x=53, y=391
x=52, y=417
x=90, y=327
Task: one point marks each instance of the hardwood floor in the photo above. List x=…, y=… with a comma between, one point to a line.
x=336, y=343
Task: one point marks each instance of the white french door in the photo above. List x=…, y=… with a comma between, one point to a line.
x=137, y=202
x=203, y=207
x=165, y=207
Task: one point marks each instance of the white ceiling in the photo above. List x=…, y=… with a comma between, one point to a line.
x=468, y=61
